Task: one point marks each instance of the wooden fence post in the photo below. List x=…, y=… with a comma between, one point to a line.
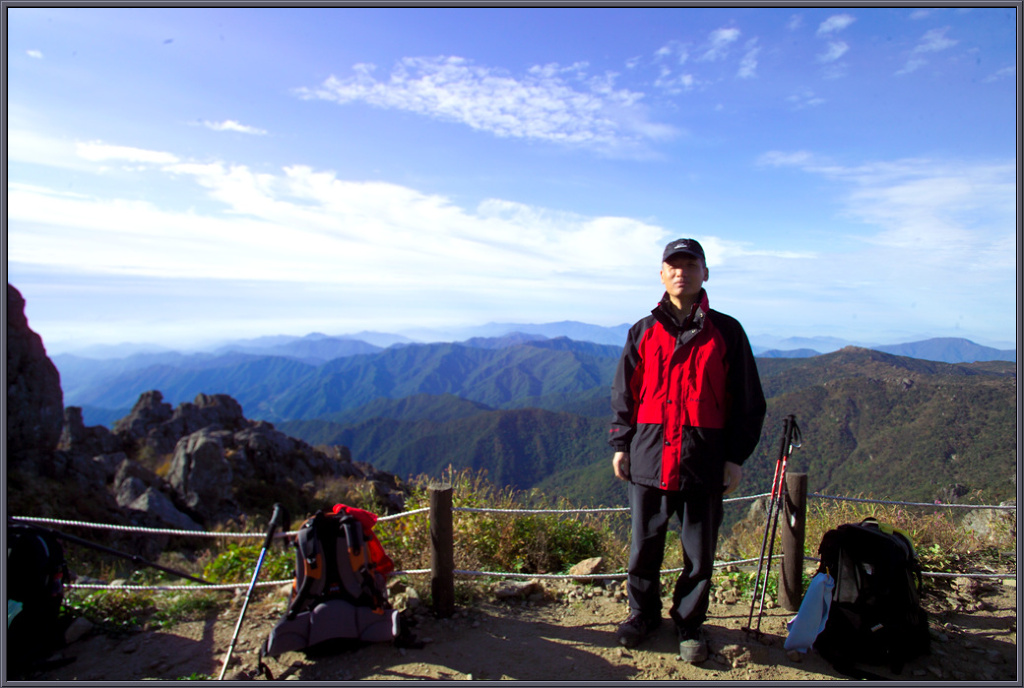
x=442, y=550
x=791, y=584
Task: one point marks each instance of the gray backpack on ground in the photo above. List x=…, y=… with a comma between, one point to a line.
x=338, y=596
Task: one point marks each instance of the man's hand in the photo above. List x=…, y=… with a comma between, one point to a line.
x=733, y=475
x=620, y=464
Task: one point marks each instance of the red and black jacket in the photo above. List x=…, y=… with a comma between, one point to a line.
x=686, y=398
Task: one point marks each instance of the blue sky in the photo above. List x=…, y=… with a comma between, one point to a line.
x=186, y=175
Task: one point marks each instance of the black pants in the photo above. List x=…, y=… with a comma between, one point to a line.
x=700, y=515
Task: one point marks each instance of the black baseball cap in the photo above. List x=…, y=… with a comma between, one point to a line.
x=687, y=246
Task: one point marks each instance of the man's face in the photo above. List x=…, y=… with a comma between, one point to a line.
x=683, y=276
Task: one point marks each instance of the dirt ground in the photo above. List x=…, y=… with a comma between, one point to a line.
x=568, y=635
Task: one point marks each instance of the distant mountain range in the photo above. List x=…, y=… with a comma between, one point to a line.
x=533, y=410
x=320, y=348
x=873, y=424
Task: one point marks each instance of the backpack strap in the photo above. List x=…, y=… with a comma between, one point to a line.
x=310, y=564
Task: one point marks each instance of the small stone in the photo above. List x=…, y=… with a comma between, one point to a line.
x=795, y=656
x=77, y=629
x=936, y=671
x=995, y=657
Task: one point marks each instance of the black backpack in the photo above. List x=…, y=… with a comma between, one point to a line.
x=339, y=595
x=34, y=582
x=876, y=615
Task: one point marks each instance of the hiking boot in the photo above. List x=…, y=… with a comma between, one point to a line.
x=636, y=628
x=693, y=646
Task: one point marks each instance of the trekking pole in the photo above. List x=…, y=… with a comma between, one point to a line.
x=792, y=441
x=134, y=558
x=278, y=519
x=776, y=485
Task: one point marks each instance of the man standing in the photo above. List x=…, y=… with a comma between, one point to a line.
x=687, y=411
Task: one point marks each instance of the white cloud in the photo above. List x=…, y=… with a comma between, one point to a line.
x=920, y=14
x=795, y=22
x=1004, y=73
x=931, y=42
x=308, y=227
x=550, y=103
x=97, y=151
x=939, y=208
x=232, y=125
x=748, y=65
x=36, y=54
x=835, y=24
x=836, y=49
x=805, y=99
x=934, y=41
x=676, y=50
x=718, y=44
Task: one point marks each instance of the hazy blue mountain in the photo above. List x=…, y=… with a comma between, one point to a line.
x=313, y=348
x=950, y=350
x=277, y=388
x=577, y=331
x=792, y=353
x=765, y=342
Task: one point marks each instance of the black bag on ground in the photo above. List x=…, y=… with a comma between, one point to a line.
x=876, y=615
x=338, y=593
x=34, y=582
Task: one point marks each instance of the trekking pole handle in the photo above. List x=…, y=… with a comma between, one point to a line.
x=277, y=520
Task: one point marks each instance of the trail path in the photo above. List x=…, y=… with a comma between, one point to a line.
x=565, y=637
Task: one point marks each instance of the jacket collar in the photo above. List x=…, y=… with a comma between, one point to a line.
x=693, y=321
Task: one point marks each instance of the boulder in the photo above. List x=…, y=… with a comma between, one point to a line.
x=75, y=438
x=201, y=474
x=587, y=567
x=156, y=504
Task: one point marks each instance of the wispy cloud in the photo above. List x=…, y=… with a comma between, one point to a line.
x=932, y=42
x=835, y=50
x=1004, y=73
x=232, y=125
x=748, y=65
x=97, y=151
x=805, y=99
x=834, y=24
x=719, y=42
x=921, y=241
x=307, y=226
x=37, y=54
x=937, y=208
x=550, y=102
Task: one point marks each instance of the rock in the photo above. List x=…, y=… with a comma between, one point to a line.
x=736, y=655
x=35, y=400
x=587, y=567
x=517, y=589
x=158, y=505
x=77, y=629
x=75, y=438
x=201, y=475
x=991, y=524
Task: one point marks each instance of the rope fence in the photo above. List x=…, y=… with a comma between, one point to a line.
x=493, y=574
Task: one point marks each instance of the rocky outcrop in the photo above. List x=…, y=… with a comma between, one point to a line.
x=75, y=438
x=154, y=425
x=212, y=455
x=35, y=401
